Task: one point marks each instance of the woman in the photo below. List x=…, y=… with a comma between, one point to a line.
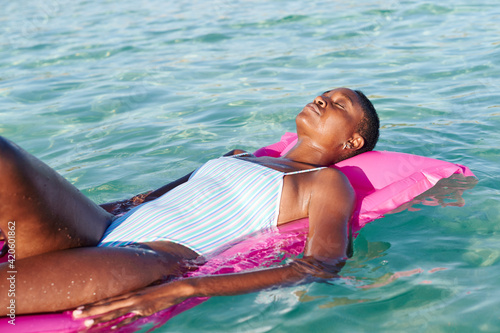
x=57, y=229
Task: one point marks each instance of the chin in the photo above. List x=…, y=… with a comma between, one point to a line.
x=302, y=122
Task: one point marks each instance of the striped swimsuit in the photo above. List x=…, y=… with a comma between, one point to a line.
x=224, y=200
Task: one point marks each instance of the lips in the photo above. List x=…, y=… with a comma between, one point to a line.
x=313, y=107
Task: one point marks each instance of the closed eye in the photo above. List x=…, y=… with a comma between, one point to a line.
x=343, y=107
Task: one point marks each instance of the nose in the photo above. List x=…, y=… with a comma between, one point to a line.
x=320, y=101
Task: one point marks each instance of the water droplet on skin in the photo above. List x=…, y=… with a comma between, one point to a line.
x=93, y=294
x=52, y=284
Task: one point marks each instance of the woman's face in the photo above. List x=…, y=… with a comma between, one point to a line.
x=332, y=118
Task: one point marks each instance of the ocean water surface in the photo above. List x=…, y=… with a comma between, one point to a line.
x=122, y=96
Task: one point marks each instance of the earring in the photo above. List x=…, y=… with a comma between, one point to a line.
x=347, y=145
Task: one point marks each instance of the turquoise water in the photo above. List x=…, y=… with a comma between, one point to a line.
x=121, y=97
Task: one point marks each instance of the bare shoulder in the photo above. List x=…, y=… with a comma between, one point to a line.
x=334, y=174
x=334, y=177
x=331, y=183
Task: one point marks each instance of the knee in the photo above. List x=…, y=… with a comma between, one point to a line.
x=9, y=155
x=6, y=146
x=5, y=149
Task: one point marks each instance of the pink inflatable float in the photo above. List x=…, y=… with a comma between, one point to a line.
x=383, y=181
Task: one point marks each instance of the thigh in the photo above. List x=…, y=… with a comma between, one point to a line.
x=64, y=279
x=48, y=212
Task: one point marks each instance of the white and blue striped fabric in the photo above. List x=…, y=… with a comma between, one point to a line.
x=225, y=199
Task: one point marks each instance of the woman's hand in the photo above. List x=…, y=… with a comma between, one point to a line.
x=140, y=303
x=236, y=152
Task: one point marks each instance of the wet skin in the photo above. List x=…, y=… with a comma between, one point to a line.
x=59, y=266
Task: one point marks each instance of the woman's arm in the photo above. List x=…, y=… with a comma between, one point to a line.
x=164, y=189
x=147, y=301
x=125, y=205
x=327, y=248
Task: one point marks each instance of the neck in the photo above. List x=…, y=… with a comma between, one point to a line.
x=305, y=151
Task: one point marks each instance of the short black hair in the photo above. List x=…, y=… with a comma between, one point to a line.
x=368, y=128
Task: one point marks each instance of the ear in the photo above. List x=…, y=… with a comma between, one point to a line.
x=357, y=142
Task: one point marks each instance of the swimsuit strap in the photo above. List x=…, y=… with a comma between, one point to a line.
x=303, y=171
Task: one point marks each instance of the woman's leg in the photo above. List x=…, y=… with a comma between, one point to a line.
x=44, y=210
x=65, y=279
x=54, y=228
